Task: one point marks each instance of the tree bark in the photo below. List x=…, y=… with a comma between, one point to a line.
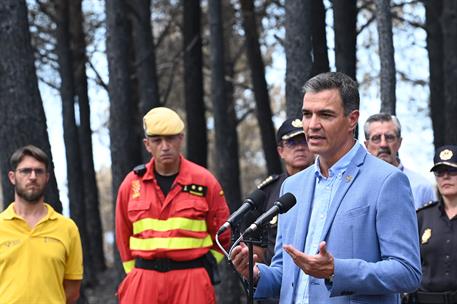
x=344, y=25
x=22, y=114
x=226, y=146
x=125, y=152
x=91, y=201
x=386, y=54
x=298, y=48
x=144, y=63
x=433, y=15
x=449, y=26
x=70, y=133
x=262, y=99
x=319, y=38
x=197, y=144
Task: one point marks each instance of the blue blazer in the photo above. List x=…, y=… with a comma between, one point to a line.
x=371, y=230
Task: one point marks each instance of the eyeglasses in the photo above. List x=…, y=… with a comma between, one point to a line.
x=448, y=171
x=28, y=171
x=294, y=141
x=390, y=138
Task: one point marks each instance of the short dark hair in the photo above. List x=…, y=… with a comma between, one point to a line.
x=347, y=87
x=28, y=150
x=382, y=117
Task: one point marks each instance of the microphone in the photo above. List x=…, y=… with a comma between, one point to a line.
x=282, y=205
x=251, y=202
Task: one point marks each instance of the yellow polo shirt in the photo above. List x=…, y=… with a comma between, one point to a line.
x=34, y=262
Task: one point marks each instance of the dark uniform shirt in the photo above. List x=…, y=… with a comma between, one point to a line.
x=438, y=246
x=271, y=187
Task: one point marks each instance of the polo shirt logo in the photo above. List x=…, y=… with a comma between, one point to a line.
x=11, y=243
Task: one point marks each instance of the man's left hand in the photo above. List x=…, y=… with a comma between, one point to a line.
x=320, y=265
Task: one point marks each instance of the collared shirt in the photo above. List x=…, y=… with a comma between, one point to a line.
x=34, y=262
x=324, y=191
x=423, y=190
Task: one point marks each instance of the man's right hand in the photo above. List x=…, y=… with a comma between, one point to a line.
x=240, y=259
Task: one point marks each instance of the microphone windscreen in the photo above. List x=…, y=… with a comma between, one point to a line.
x=257, y=197
x=286, y=202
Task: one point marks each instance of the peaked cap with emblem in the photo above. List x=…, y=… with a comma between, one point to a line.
x=289, y=128
x=445, y=156
x=162, y=121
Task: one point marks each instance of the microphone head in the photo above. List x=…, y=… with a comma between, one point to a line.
x=285, y=202
x=256, y=198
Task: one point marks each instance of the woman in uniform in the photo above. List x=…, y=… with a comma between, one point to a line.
x=438, y=234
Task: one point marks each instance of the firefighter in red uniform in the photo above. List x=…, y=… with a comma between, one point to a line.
x=167, y=215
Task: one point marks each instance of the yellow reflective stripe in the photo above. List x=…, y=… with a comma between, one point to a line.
x=128, y=265
x=169, y=243
x=169, y=224
x=217, y=255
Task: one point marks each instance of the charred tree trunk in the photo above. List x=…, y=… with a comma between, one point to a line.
x=125, y=152
x=197, y=145
x=226, y=147
x=433, y=15
x=22, y=114
x=262, y=98
x=319, y=38
x=144, y=63
x=386, y=54
x=298, y=48
x=449, y=25
x=344, y=25
x=70, y=133
x=91, y=201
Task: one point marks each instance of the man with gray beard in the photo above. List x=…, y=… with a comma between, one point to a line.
x=383, y=140
x=40, y=250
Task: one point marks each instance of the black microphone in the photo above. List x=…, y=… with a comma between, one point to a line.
x=282, y=205
x=251, y=202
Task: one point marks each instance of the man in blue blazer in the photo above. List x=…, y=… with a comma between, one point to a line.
x=352, y=236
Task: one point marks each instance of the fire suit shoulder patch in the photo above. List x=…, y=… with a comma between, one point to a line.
x=136, y=187
x=195, y=189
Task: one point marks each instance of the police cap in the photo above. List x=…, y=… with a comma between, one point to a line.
x=445, y=156
x=162, y=121
x=289, y=128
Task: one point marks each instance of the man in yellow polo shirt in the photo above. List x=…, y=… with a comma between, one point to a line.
x=40, y=250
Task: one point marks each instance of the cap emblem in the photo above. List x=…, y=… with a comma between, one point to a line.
x=446, y=154
x=297, y=123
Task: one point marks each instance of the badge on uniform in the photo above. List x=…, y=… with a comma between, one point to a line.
x=274, y=220
x=136, y=187
x=426, y=236
x=195, y=189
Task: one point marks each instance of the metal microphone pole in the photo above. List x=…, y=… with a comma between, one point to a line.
x=251, y=273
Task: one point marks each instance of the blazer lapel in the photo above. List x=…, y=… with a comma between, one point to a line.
x=348, y=179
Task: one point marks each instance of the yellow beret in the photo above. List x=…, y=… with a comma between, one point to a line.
x=162, y=121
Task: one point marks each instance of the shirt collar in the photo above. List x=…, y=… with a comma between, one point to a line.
x=340, y=166
x=10, y=214
x=182, y=178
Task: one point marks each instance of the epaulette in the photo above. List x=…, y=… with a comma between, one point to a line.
x=427, y=205
x=140, y=170
x=268, y=181
x=195, y=189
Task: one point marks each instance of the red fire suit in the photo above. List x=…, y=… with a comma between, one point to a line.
x=180, y=227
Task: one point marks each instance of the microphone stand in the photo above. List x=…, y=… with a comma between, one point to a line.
x=252, y=240
x=251, y=273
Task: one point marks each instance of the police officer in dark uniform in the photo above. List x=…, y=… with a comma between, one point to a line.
x=438, y=234
x=293, y=150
